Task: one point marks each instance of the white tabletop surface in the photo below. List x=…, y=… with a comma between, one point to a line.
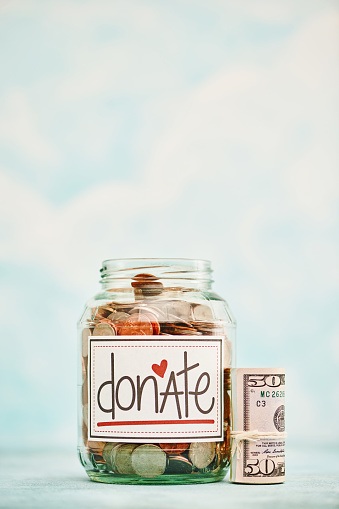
x=57, y=480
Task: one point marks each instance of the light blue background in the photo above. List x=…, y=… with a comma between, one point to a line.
x=202, y=129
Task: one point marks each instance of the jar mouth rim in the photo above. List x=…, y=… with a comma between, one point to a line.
x=195, y=262
x=162, y=268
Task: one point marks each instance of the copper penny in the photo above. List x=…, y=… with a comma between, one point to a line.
x=85, y=414
x=85, y=334
x=141, y=279
x=148, y=284
x=154, y=322
x=96, y=447
x=104, y=311
x=174, y=448
x=136, y=324
x=227, y=408
x=84, y=362
x=84, y=433
x=84, y=393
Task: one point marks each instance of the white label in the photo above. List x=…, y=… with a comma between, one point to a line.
x=155, y=388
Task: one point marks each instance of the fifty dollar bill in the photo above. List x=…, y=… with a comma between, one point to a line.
x=258, y=399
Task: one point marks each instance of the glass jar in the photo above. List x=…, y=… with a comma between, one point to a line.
x=156, y=347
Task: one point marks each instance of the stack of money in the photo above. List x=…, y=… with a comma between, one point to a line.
x=258, y=436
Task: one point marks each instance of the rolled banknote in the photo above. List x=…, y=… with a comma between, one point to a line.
x=258, y=436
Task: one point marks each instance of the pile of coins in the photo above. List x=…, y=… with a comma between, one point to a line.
x=152, y=460
x=153, y=314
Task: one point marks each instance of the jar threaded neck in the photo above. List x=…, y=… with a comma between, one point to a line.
x=179, y=269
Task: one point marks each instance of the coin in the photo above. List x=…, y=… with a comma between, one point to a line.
x=136, y=324
x=179, y=321
x=107, y=452
x=174, y=448
x=179, y=329
x=154, y=288
x=105, y=311
x=122, y=458
x=227, y=440
x=227, y=408
x=84, y=432
x=104, y=329
x=175, y=320
x=152, y=314
x=154, y=307
x=97, y=461
x=202, y=453
x=180, y=308
x=227, y=379
x=118, y=317
x=85, y=414
x=148, y=284
x=85, y=333
x=97, y=317
x=84, y=361
x=84, y=392
x=149, y=460
x=154, y=322
x=104, y=320
x=178, y=465
x=202, y=312
x=96, y=447
x=140, y=279
x=227, y=352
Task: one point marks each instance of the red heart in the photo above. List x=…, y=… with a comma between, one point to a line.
x=160, y=369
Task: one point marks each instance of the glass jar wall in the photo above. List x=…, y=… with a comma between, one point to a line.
x=167, y=304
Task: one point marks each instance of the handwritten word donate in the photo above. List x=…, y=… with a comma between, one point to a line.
x=119, y=387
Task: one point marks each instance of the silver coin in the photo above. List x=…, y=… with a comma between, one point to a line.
x=181, y=309
x=185, y=331
x=159, y=308
x=158, y=315
x=177, y=320
x=118, y=316
x=104, y=329
x=201, y=453
x=85, y=333
x=202, y=312
x=107, y=452
x=227, y=352
x=149, y=460
x=122, y=458
x=209, y=328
